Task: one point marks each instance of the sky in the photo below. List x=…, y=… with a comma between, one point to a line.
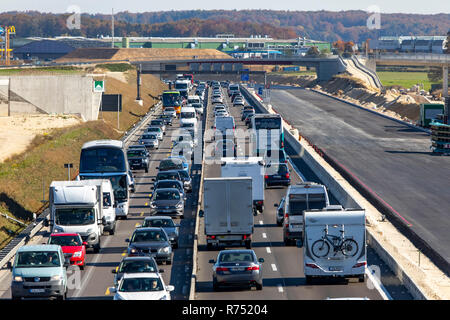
x=105, y=6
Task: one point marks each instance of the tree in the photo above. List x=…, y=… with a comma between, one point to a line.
x=313, y=51
x=435, y=74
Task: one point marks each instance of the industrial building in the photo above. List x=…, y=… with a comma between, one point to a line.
x=419, y=44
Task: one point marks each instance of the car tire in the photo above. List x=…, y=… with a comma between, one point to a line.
x=286, y=241
x=111, y=232
x=97, y=248
x=279, y=223
x=168, y=262
x=215, y=285
x=362, y=278
x=259, y=286
x=146, y=170
x=209, y=246
x=309, y=279
x=175, y=245
x=248, y=244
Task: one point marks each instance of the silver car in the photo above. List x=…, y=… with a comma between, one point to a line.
x=168, y=201
x=156, y=130
x=171, y=228
x=237, y=267
x=170, y=111
x=149, y=140
x=134, y=265
x=217, y=99
x=158, y=123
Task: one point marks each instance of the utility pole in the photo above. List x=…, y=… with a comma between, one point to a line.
x=112, y=27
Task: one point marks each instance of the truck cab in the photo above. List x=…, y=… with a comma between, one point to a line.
x=301, y=197
x=39, y=271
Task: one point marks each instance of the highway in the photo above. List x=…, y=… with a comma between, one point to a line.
x=283, y=275
x=283, y=267
x=392, y=159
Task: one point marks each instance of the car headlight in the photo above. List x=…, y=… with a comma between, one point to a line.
x=18, y=279
x=133, y=250
x=118, y=297
x=55, y=278
x=164, y=297
x=57, y=229
x=152, y=205
x=180, y=205
x=77, y=254
x=164, y=249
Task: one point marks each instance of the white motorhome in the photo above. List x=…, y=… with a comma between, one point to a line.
x=301, y=197
x=183, y=86
x=228, y=211
x=334, y=244
x=76, y=207
x=188, y=119
x=247, y=167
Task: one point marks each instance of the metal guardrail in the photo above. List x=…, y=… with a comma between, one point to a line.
x=33, y=228
x=366, y=70
x=432, y=57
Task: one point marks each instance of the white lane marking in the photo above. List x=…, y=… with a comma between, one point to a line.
x=280, y=288
x=261, y=222
x=264, y=235
x=378, y=285
x=274, y=267
x=268, y=250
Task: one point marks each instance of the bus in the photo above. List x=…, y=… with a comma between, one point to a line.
x=172, y=99
x=183, y=86
x=107, y=159
x=267, y=133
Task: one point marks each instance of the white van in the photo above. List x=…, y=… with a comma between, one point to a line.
x=301, y=197
x=224, y=128
x=334, y=244
x=188, y=119
x=194, y=99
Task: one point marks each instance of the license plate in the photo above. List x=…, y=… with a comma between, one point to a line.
x=296, y=224
x=37, y=290
x=276, y=177
x=335, y=268
x=238, y=269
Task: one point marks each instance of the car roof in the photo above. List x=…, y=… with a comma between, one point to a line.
x=168, y=180
x=141, y=275
x=63, y=234
x=39, y=247
x=158, y=217
x=137, y=146
x=138, y=258
x=237, y=251
x=167, y=189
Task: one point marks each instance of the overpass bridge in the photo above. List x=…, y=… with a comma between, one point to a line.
x=325, y=67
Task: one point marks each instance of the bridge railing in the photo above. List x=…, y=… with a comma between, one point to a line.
x=434, y=57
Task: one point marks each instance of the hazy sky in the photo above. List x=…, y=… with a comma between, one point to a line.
x=104, y=6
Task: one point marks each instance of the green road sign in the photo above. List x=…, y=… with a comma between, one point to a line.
x=99, y=86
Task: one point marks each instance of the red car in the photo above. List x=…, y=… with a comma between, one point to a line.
x=72, y=246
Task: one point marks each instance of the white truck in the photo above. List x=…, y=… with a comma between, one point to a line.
x=77, y=207
x=334, y=244
x=227, y=208
x=248, y=167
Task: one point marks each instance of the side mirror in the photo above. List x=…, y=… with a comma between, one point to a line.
x=212, y=261
x=201, y=213
x=104, y=221
x=113, y=271
x=85, y=243
x=127, y=240
x=170, y=288
x=157, y=168
x=161, y=270
x=276, y=205
x=185, y=198
x=66, y=262
x=299, y=243
x=261, y=260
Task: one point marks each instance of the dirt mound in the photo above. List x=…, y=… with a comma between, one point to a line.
x=139, y=54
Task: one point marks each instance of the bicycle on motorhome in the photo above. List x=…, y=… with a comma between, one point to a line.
x=321, y=248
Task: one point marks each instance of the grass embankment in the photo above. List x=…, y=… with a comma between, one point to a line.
x=294, y=73
x=404, y=79
x=22, y=176
x=42, y=70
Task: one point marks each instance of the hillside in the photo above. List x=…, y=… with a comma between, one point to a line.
x=320, y=25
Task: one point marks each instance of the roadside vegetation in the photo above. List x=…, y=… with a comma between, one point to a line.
x=25, y=176
x=42, y=70
x=405, y=79
x=116, y=67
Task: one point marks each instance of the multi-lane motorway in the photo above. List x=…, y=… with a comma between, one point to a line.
x=283, y=271
x=392, y=159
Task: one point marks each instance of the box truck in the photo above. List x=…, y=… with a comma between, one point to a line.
x=227, y=208
x=77, y=207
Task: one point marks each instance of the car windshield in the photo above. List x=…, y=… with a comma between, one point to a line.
x=154, y=129
x=74, y=216
x=38, y=259
x=102, y=160
x=149, y=137
x=135, y=153
x=167, y=195
x=187, y=115
x=236, y=257
x=146, y=236
x=276, y=169
x=300, y=202
x=170, y=164
x=169, y=109
x=160, y=223
x=156, y=123
x=168, y=176
x=137, y=266
x=141, y=285
x=168, y=184
x=66, y=241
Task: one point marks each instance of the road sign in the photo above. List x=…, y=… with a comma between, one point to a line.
x=245, y=76
x=99, y=86
x=2, y=31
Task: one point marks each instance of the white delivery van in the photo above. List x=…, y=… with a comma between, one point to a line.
x=224, y=128
x=77, y=207
x=188, y=119
x=334, y=244
x=301, y=197
x=228, y=212
x=247, y=167
x=194, y=99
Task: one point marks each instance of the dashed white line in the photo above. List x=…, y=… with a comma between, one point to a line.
x=268, y=250
x=280, y=288
x=274, y=267
x=261, y=222
x=264, y=235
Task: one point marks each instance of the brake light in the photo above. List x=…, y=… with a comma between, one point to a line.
x=311, y=265
x=212, y=237
x=259, y=203
x=252, y=268
x=266, y=177
x=244, y=236
x=222, y=269
x=360, y=264
x=287, y=175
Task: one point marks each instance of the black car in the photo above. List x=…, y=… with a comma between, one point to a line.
x=276, y=174
x=152, y=242
x=167, y=175
x=138, y=158
x=275, y=156
x=248, y=119
x=246, y=112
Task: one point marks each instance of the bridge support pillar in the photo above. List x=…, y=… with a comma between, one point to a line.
x=445, y=81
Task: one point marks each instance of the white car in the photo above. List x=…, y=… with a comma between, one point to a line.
x=142, y=286
x=221, y=113
x=155, y=130
x=217, y=99
x=170, y=111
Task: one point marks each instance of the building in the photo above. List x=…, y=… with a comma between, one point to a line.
x=412, y=44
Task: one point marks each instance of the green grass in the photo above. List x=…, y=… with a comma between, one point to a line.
x=404, y=79
x=116, y=67
x=40, y=70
